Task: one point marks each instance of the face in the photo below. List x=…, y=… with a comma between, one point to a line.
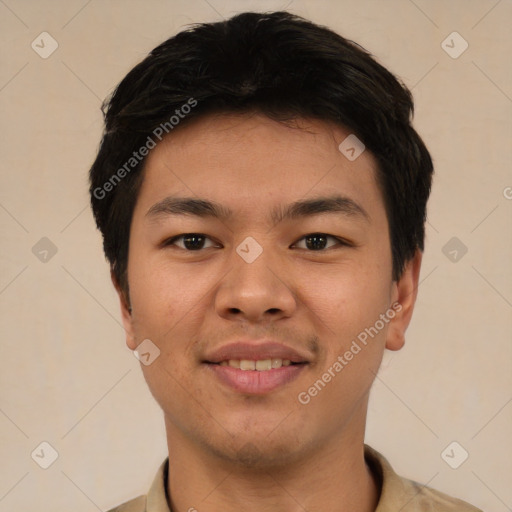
x=282, y=258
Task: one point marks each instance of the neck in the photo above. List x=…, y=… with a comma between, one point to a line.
x=333, y=476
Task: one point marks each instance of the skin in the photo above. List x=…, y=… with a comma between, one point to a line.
x=232, y=451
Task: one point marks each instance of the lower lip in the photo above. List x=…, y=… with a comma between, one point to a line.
x=253, y=381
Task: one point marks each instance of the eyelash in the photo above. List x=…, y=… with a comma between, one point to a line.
x=341, y=241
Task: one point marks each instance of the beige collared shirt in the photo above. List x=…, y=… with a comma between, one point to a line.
x=397, y=493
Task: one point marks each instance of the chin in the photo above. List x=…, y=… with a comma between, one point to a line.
x=258, y=451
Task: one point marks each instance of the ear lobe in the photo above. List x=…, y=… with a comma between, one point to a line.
x=404, y=294
x=126, y=313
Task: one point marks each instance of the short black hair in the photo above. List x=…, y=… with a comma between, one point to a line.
x=278, y=64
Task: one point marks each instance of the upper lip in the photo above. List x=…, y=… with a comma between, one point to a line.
x=255, y=350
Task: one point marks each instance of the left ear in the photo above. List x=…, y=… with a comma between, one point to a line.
x=404, y=298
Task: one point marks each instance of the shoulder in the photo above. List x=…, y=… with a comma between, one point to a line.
x=155, y=499
x=398, y=493
x=429, y=500
x=136, y=505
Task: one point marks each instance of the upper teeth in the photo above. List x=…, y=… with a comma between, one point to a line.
x=260, y=365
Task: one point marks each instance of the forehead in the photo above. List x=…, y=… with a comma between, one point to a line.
x=250, y=163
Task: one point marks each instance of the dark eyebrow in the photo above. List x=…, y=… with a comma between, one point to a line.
x=298, y=209
x=318, y=205
x=189, y=206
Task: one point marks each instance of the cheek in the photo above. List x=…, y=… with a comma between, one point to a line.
x=160, y=294
x=169, y=305
x=347, y=298
x=347, y=307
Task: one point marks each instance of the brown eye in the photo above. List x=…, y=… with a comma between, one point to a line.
x=318, y=241
x=190, y=241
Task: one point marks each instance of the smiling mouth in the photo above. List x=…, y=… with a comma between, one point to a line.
x=256, y=377
x=259, y=365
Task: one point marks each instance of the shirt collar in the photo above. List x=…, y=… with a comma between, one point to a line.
x=396, y=493
x=157, y=499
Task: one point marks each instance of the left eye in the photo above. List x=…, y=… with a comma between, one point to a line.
x=318, y=241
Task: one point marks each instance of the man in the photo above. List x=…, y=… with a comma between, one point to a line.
x=262, y=198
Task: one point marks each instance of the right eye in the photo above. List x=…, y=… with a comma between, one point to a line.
x=189, y=241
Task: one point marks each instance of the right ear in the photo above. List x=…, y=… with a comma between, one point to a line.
x=126, y=312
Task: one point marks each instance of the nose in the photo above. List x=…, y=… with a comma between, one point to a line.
x=255, y=292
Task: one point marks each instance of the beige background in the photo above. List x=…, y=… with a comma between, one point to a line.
x=66, y=375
